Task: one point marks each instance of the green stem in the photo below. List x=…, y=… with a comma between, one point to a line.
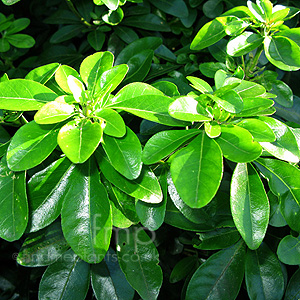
x=255, y=59
x=77, y=14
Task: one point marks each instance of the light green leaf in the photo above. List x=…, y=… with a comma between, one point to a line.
x=79, y=140
x=31, y=145
x=24, y=95
x=42, y=74
x=202, y=158
x=61, y=77
x=200, y=85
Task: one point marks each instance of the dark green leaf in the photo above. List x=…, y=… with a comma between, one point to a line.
x=289, y=250
x=96, y=39
x=21, y=40
x=66, y=33
x=175, y=8
x=293, y=290
x=183, y=268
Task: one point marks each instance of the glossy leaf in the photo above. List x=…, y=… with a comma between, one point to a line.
x=186, y=108
x=54, y=112
x=202, y=158
x=13, y=201
x=145, y=187
x=200, y=85
x=288, y=178
x=285, y=147
x=244, y=43
x=43, y=248
x=24, y=95
x=175, y=8
x=288, y=250
x=42, y=74
x=164, y=143
x=283, y=92
x=292, y=290
x=138, y=255
x=45, y=192
x=68, y=278
x=86, y=221
x=146, y=102
x=111, y=4
x=249, y=89
x=61, y=77
x=114, y=124
x=96, y=39
x=260, y=131
x=237, y=144
x=212, y=129
x=263, y=274
x=66, y=33
x=183, y=268
x=31, y=145
x=108, y=280
x=249, y=205
x=92, y=68
x=220, y=277
x=79, y=140
x=255, y=106
x=125, y=154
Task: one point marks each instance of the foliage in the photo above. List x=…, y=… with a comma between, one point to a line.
x=150, y=149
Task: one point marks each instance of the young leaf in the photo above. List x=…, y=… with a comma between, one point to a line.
x=125, y=154
x=87, y=221
x=249, y=205
x=31, y=145
x=43, y=248
x=24, y=95
x=42, y=74
x=79, y=140
x=68, y=278
x=263, y=274
x=45, y=192
x=108, y=280
x=200, y=85
x=220, y=277
x=13, y=201
x=138, y=259
x=197, y=171
x=61, y=77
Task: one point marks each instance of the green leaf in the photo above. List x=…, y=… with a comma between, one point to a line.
x=24, y=95
x=114, y=124
x=31, y=145
x=209, y=69
x=237, y=144
x=175, y=8
x=86, y=221
x=61, y=77
x=66, y=33
x=168, y=88
x=139, y=45
x=212, y=8
x=292, y=290
x=200, y=85
x=43, y=248
x=149, y=22
x=42, y=74
x=288, y=250
x=255, y=106
x=287, y=177
x=188, y=109
x=210, y=33
x=249, y=205
x=113, y=17
x=212, y=129
x=285, y=147
x=183, y=268
x=92, y=68
x=152, y=215
x=125, y=154
x=218, y=239
x=146, y=187
x=263, y=274
x=260, y=131
x=276, y=217
x=10, y=2
x=111, y=4
x=96, y=39
x=164, y=143
x=146, y=102
x=18, y=25
x=68, y=278
x=220, y=277
x=276, y=50
x=54, y=112
x=231, y=101
x=283, y=92
x=244, y=43
x=256, y=11
x=79, y=140
x=20, y=40
x=202, y=158
x=108, y=280
x=13, y=201
x=248, y=89
x=4, y=45
x=141, y=269
x=45, y=191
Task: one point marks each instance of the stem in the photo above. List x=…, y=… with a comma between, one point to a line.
x=77, y=14
x=256, y=58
